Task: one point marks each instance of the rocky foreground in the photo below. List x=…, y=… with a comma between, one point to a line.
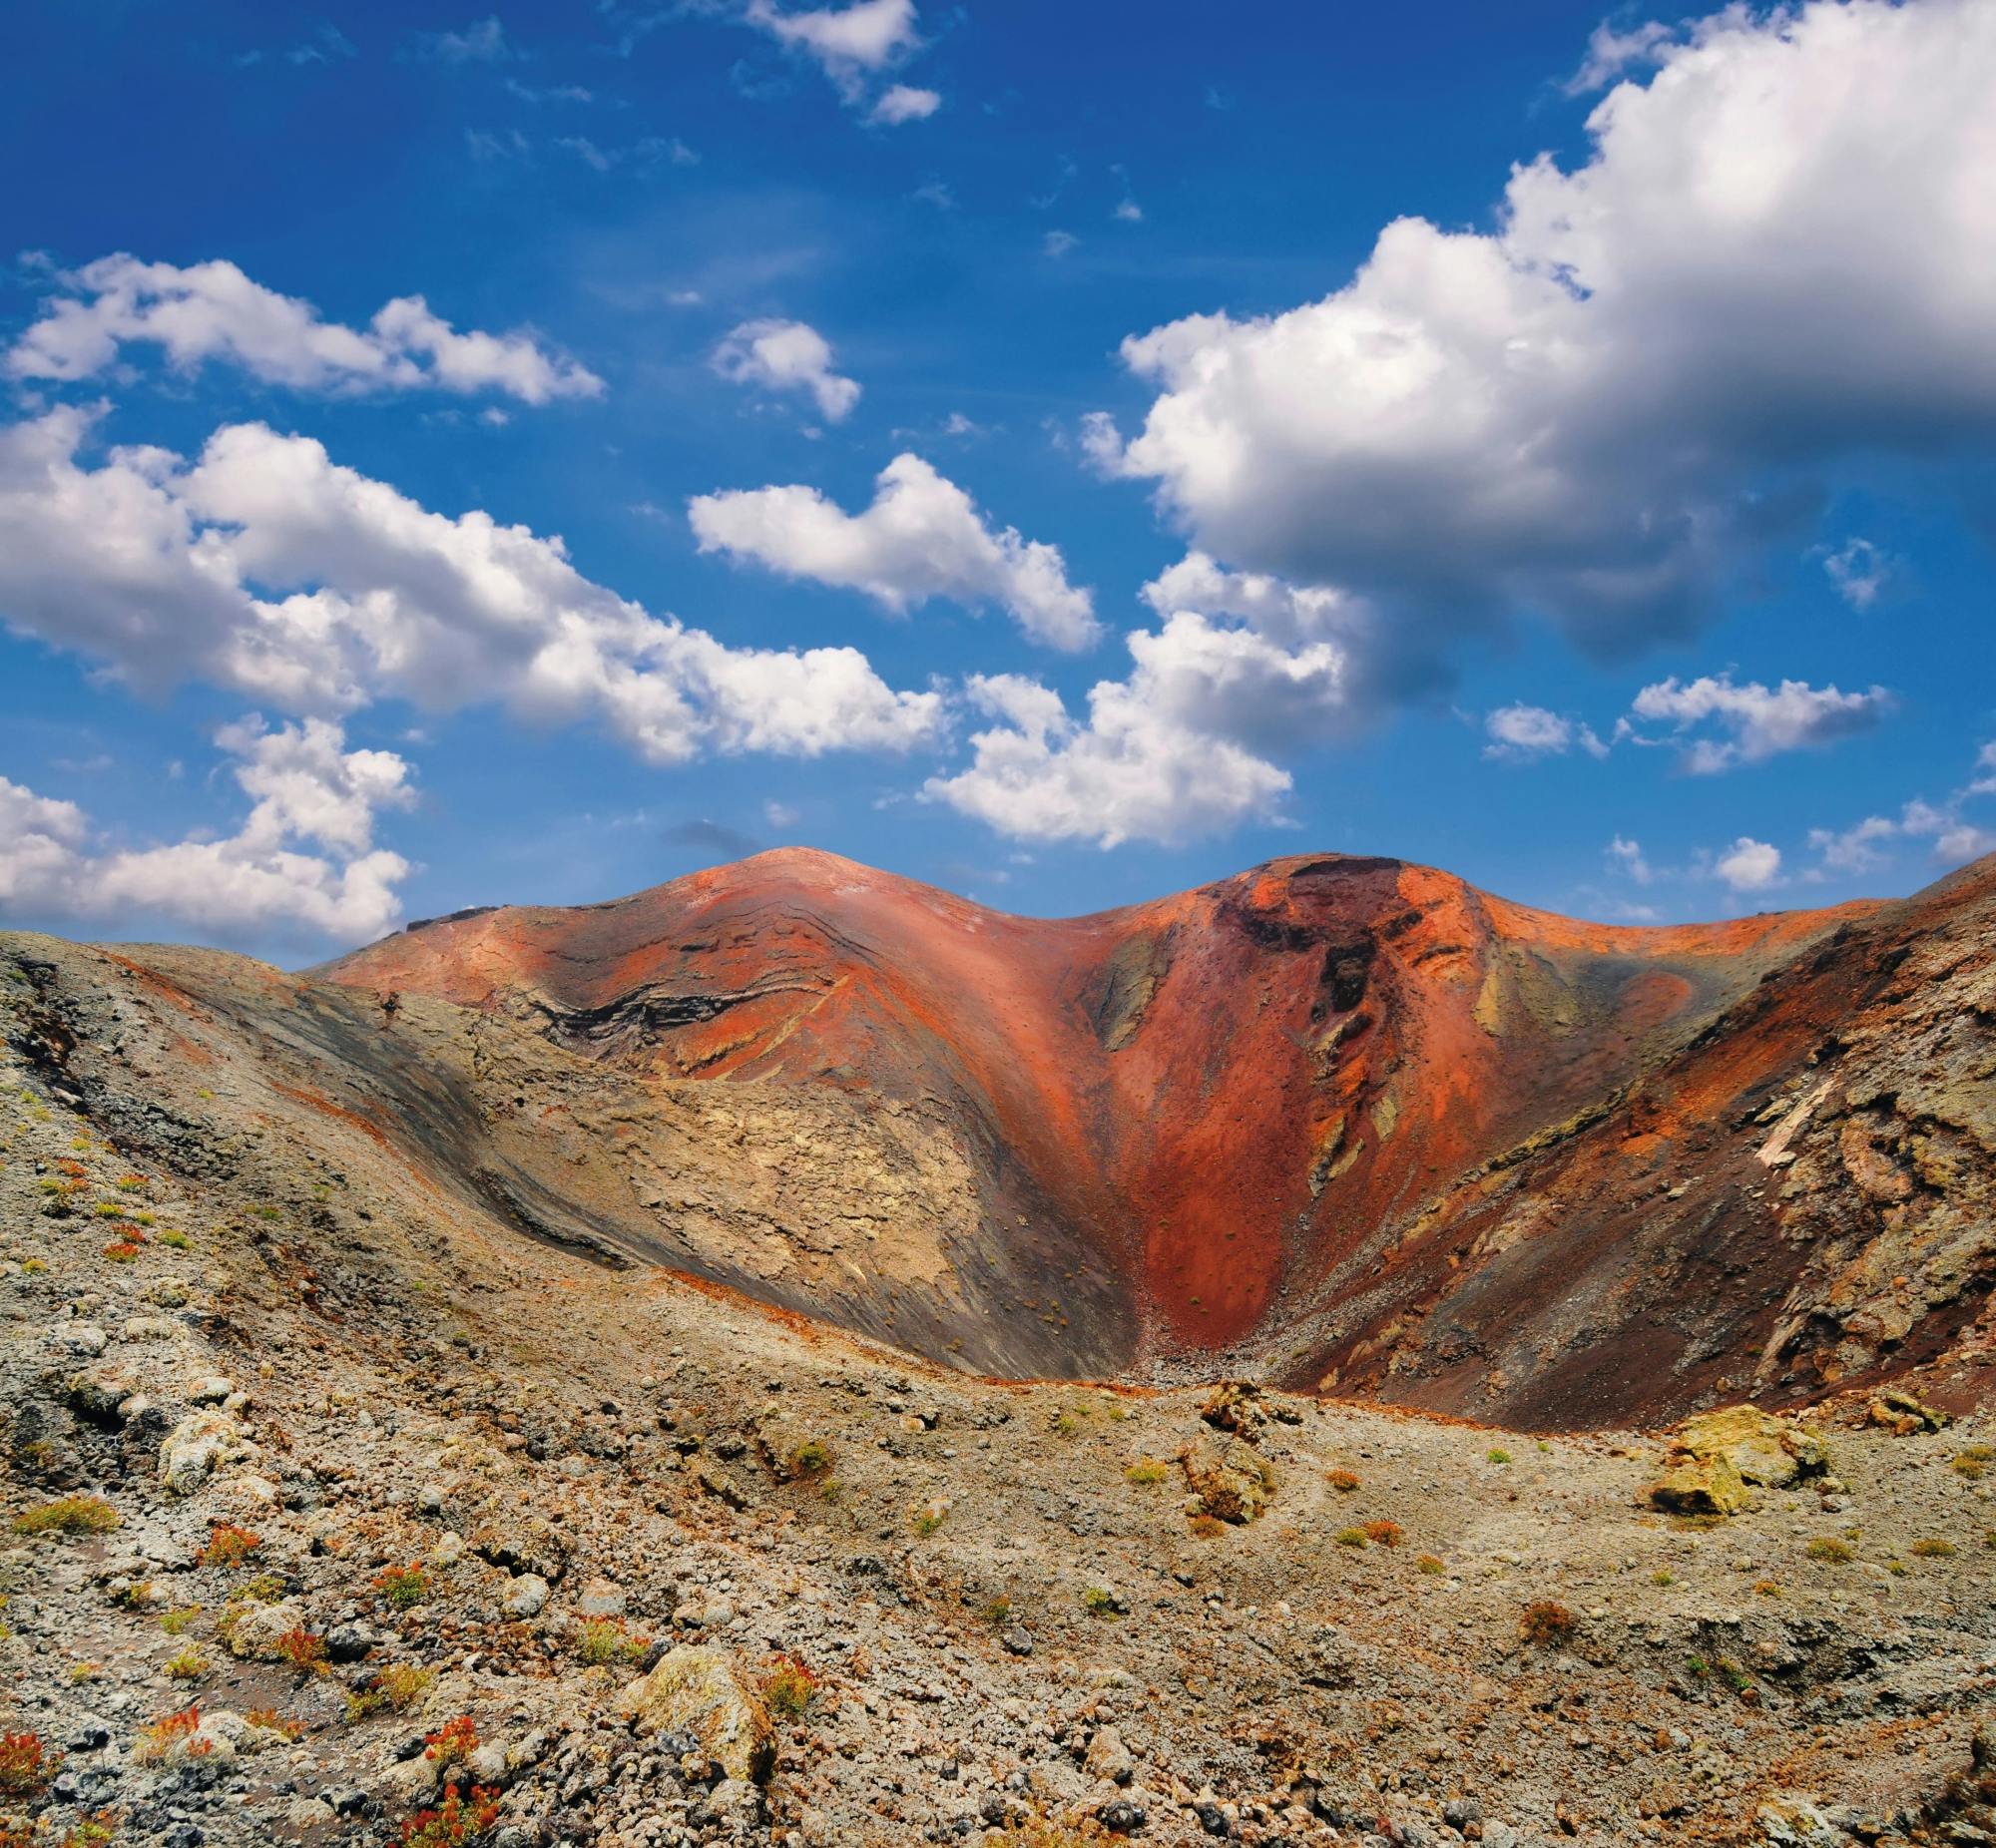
x=342, y=1512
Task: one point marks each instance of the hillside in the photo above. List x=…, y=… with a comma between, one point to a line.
x=405, y=1389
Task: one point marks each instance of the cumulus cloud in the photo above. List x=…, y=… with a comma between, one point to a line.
x=1855, y=850
x=1758, y=722
x=1777, y=256
x=1953, y=835
x=853, y=44
x=1520, y=732
x=1749, y=865
x=781, y=355
x=1130, y=773
x=306, y=787
x=900, y=103
x=922, y=537
x=1239, y=666
x=266, y=567
x=1198, y=581
x=213, y=311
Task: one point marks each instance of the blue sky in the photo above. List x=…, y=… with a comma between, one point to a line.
x=1566, y=461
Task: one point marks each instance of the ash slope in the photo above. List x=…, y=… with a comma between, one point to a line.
x=1348, y=1123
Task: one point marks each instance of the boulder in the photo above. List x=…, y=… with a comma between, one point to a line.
x=1700, y=1485
x=193, y=1448
x=527, y=1595
x=697, y=1691
x=1899, y=1412
x=1234, y=1485
x=1108, y=1758
x=1234, y=1405
x=1765, y=1449
x=255, y=1633
x=1715, y=1457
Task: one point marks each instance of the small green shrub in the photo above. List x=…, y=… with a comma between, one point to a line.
x=70, y=1513
x=788, y=1689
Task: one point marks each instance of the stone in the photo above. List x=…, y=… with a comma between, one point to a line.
x=255, y=1633
x=601, y=1598
x=1234, y=1485
x=1901, y=1412
x=193, y=1448
x=1770, y=1451
x=526, y=1597
x=696, y=1689
x=1108, y=1758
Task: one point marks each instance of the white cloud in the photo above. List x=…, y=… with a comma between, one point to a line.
x=1855, y=849
x=1520, y=732
x=1056, y=243
x=1172, y=751
x=483, y=42
x=213, y=311
x=1749, y=865
x=1610, y=53
x=853, y=44
x=781, y=355
x=780, y=814
x=1128, y=211
x=267, y=568
x=1236, y=684
x=1285, y=613
x=306, y=787
x=1953, y=836
x=900, y=103
x=1132, y=772
x=1761, y=721
x=1627, y=857
x=922, y=537
x=1779, y=256
x=1858, y=570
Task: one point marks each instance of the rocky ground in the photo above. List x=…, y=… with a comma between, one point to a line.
x=341, y=1512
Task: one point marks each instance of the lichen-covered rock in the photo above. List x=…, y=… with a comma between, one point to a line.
x=1234, y=1485
x=1234, y=1405
x=257, y=1633
x=1700, y=1485
x=1900, y=1411
x=697, y=1691
x=1714, y=1457
x=96, y=1392
x=1765, y=1449
x=193, y=1448
x=528, y=1545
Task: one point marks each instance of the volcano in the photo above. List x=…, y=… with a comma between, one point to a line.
x=1349, y=1124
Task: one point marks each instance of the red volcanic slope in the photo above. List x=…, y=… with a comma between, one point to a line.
x=1219, y=1094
